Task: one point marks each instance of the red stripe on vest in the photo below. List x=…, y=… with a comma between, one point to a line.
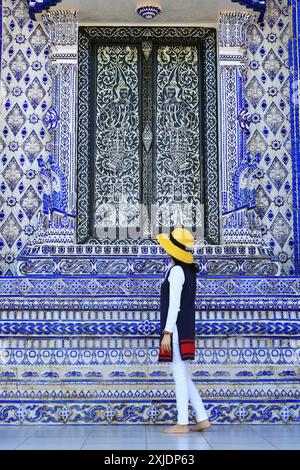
x=187, y=350
x=187, y=347
x=167, y=355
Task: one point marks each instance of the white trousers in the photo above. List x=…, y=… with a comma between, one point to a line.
x=184, y=387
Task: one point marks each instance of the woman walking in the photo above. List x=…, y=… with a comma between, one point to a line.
x=177, y=326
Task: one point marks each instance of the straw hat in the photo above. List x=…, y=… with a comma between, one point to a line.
x=178, y=244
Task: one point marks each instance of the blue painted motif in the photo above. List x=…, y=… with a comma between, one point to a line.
x=245, y=194
x=51, y=119
x=55, y=191
x=268, y=99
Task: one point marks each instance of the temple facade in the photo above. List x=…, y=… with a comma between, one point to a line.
x=109, y=133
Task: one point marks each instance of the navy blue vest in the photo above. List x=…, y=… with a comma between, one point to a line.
x=186, y=316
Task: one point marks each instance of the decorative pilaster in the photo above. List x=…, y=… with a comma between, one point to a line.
x=237, y=168
x=295, y=124
x=58, y=173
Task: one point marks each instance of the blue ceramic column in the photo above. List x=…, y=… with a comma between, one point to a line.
x=58, y=172
x=295, y=123
x=237, y=168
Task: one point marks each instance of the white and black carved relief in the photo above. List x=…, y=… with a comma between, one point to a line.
x=147, y=135
x=117, y=136
x=178, y=166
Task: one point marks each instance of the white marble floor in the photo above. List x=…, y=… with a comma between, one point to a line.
x=118, y=437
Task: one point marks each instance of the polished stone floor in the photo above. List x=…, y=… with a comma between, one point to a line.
x=118, y=437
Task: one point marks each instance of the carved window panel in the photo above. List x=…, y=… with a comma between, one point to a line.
x=147, y=131
x=117, y=137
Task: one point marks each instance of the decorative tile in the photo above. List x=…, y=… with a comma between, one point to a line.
x=32, y=146
x=35, y=93
x=12, y=173
x=274, y=118
x=254, y=92
x=22, y=131
x=19, y=65
x=6, y=37
x=30, y=202
x=255, y=38
x=68, y=342
x=38, y=39
x=272, y=64
x=257, y=144
x=10, y=230
x=273, y=13
x=285, y=36
x=280, y=230
x=294, y=45
x=277, y=173
x=268, y=97
x=263, y=201
x=2, y=145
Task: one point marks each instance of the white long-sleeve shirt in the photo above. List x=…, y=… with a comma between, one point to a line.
x=176, y=280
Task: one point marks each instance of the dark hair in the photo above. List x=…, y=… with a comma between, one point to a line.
x=193, y=266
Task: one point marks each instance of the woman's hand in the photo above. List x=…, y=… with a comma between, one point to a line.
x=166, y=343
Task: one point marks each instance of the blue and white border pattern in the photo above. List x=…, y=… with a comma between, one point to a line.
x=84, y=351
x=146, y=412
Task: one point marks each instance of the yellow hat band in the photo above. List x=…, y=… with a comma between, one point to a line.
x=178, y=244
x=177, y=250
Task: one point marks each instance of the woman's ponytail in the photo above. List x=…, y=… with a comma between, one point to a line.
x=194, y=266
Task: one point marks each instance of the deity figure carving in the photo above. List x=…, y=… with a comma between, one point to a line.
x=175, y=112
x=120, y=111
x=173, y=108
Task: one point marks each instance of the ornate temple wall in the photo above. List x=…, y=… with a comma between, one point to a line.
x=268, y=97
x=25, y=98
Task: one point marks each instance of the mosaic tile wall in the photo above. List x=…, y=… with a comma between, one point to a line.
x=25, y=93
x=83, y=350
x=268, y=97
